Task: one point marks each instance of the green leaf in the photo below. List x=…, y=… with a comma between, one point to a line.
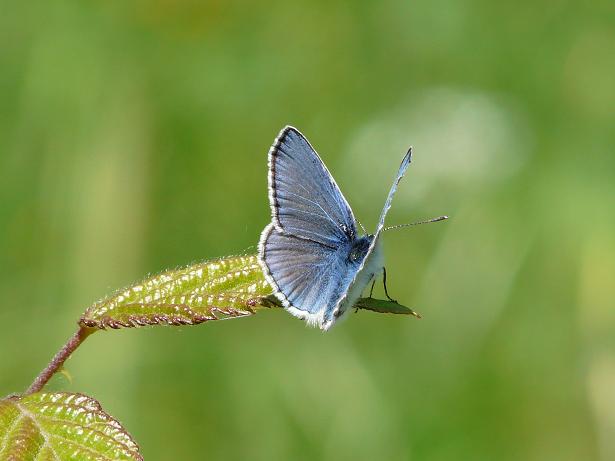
x=384, y=307
x=213, y=290
x=61, y=426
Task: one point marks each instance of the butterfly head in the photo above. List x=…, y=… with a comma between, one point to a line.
x=359, y=248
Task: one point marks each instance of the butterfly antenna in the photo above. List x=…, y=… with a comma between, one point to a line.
x=363, y=228
x=439, y=218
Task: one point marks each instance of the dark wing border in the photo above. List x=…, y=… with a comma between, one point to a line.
x=273, y=201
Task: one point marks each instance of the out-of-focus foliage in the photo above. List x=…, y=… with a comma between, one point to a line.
x=133, y=138
x=59, y=426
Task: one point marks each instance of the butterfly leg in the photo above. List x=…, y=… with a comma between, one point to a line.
x=384, y=282
x=371, y=290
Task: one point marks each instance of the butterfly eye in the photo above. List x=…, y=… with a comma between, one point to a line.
x=355, y=255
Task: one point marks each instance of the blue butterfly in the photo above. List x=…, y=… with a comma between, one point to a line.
x=311, y=252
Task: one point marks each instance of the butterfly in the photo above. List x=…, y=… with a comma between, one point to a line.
x=311, y=253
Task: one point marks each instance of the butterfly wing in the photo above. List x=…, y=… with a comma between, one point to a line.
x=373, y=260
x=405, y=163
x=308, y=277
x=305, y=200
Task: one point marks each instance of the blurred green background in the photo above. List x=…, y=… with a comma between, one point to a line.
x=133, y=138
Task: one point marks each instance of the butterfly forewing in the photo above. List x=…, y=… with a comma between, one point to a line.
x=405, y=163
x=305, y=200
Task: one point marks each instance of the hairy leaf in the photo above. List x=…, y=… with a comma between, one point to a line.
x=212, y=290
x=61, y=426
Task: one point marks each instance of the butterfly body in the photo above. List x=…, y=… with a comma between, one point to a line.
x=311, y=253
x=372, y=267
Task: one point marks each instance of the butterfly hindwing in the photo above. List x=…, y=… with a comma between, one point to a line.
x=309, y=278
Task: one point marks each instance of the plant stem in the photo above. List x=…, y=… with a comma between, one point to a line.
x=58, y=360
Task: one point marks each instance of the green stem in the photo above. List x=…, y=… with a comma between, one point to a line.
x=58, y=360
